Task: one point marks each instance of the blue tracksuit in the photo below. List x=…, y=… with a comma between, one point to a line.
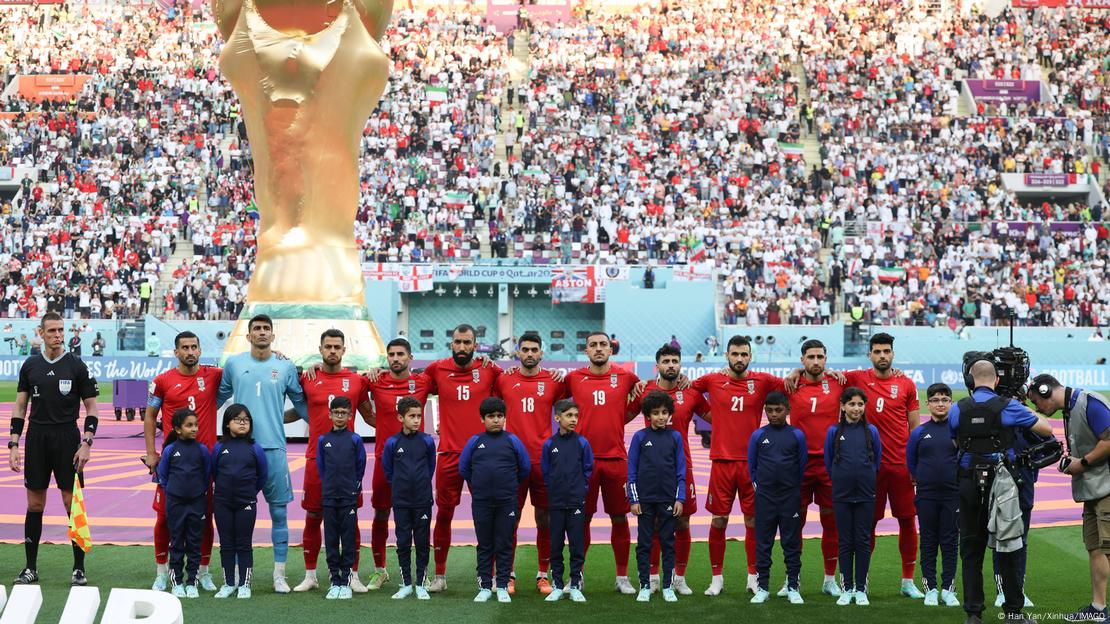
x=409, y=461
x=853, y=490
x=185, y=472
x=494, y=465
x=656, y=480
x=567, y=462
x=931, y=459
x=341, y=461
x=776, y=464
x=239, y=470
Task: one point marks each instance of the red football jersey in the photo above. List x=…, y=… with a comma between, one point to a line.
x=889, y=402
x=461, y=392
x=815, y=407
x=385, y=392
x=318, y=394
x=528, y=406
x=196, y=392
x=602, y=407
x=687, y=403
x=737, y=407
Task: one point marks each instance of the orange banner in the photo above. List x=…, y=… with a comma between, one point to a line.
x=43, y=86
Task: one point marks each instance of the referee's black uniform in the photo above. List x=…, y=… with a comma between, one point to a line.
x=56, y=390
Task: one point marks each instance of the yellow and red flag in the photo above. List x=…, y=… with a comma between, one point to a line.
x=78, y=518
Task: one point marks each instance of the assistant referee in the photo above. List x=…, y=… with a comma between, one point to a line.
x=56, y=383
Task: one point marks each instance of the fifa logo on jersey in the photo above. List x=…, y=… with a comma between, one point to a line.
x=412, y=386
x=539, y=389
x=346, y=385
x=893, y=391
x=200, y=384
x=825, y=386
x=751, y=386
x=613, y=380
x=477, y=375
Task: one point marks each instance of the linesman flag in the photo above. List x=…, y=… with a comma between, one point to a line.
x=78, y=518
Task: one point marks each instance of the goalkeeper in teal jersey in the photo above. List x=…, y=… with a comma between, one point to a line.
x=261, y=381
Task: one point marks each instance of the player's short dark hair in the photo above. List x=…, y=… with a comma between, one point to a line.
x=332, y=332
x=260, y=318
x=656, y=399
x=938, y=388
x=813, y=343
x=777, y=398
x=340, y=402
x=1044, y=379
x=50, y=316
x=399, y=342
x=563, y=405
x=490, y=405
x=463, y=328
x=407, y=403
x=185, y=335
x=667, y=350
x=739, y=341
x=881, y=338
x=598, y=333
x=530, y=337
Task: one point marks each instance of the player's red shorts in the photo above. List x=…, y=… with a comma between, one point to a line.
x=449, y=483
x=893, y=481
x=727, y=478
x=381, y=494
x=690, y=507
x=609, y=478
x=534, y=484
x=159, y=503
x=816, y=484
x=313, y=489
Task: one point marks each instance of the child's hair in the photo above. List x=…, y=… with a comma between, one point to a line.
x=777, y=398
x=407, y=403
x=849, y=394
x=656, y=399
x=938, y=388
x=232, y=412
x=490, y=405
x=340, y=402
x=177, y=420
x=563, y=405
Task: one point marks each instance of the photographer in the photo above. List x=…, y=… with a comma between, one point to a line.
x=985, y=426
x=1087, y=432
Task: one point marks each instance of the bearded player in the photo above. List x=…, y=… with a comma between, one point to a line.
x=601, y=392
x=530, y=393
x=736, y=410
x=320, y=387
x=188, y=385
x=687, y=404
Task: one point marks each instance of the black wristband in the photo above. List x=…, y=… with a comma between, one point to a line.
x=91, y=423
x=1083, y=462
x=17, y=426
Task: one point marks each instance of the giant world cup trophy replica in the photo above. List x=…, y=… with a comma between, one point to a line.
x=308, y=74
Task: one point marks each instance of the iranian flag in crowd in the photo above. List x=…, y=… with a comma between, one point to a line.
x=892, y=274
x=697, y=252
x=456, y=198
x=435, y=94
x=791, y=150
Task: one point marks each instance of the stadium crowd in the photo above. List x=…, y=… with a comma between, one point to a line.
x=662, y=137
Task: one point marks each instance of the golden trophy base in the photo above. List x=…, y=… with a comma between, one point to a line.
x=297, y=329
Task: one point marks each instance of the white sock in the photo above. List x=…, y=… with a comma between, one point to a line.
x=310, y=574
x=907, y=580
x=830, y=577
x=1100, y=607
x=541, y=575
x=163, y=568
x=718, y=579
x=279, y=569
x=382, y=570
x=202, y=571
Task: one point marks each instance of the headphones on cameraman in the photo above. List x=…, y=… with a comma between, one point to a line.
x=1041, y=386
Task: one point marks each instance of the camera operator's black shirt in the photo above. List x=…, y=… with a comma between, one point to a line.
x=56, y=388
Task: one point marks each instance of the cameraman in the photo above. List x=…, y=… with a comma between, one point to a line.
x=984, y=427
x=1087, y=433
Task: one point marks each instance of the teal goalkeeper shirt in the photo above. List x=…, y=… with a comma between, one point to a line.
x=262, y=386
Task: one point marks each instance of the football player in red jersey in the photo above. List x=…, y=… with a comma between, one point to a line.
x=320, y=387
x=687, y=404
x=530, y=393
x=192, y=386
x=814, y=407
x=893, y=408
x=385, y=391
x=736, y=410
x=602, y=393
x=462, y=383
